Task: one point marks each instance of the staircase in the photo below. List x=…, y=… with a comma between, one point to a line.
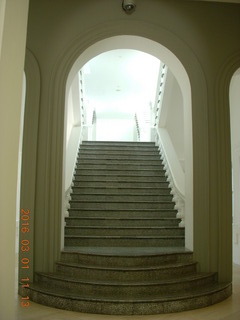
x=124, y=251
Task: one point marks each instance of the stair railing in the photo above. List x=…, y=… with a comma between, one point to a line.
x=159, y=97
x=174, y=172
x=175, y=175
x=82, y=134
x=137, y=127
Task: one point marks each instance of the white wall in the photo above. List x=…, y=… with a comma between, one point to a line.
x=73, y=130
x=70, y=116
x=235, y=139
x=13, y=24
x=115, y=130
x=174, y=121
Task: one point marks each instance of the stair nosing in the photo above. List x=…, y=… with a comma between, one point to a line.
x=107, y=218
x=176, y=265
x=208, y=291
x=117, y=201
x=125, y=210
x=186, y=278
x=124, y=237
x=124, y=228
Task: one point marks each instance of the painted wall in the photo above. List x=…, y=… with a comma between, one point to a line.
x=115, y=130
x=174, y=122
x=235, y=136
x=59, y=31
x=13, y=24
x=73, y=130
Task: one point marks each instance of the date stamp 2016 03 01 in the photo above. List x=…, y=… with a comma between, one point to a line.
x=25, y=250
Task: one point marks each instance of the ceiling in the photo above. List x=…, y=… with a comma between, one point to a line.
x=118, y=82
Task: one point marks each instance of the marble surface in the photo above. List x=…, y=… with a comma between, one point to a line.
x=229, y=309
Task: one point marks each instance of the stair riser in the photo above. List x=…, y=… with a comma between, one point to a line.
x=118, y=152
x=129, y=191
x=97, y=197
x=124, y=232
x=118, y=148
x=123, y=242
x=121, y=214
x=118, y=143
x=119, y=157
x=120, y=178
x=140, y=173
x=119, y=184
x=119, y=166
x=122, y=223
x=117, y=260
x=149, y=274
x=124, y=162
x=121, y=205
x=120, y=291
x=127, y=308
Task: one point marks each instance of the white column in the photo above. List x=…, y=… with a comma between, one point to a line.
x=13, y=23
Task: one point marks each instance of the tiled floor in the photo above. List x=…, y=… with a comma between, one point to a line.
x=226, y=310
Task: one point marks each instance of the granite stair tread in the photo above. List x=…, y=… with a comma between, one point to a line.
x=184, y=278
x=123, y=237
x=127, y=227
x=191, y=294
x=132, y=252
x=164, y=266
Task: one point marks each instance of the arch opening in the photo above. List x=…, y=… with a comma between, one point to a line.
x=178, y=72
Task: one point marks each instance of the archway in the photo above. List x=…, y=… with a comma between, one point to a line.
x=162, y=53
x=50, y=187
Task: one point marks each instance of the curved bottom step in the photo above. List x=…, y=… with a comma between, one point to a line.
x=143, y=306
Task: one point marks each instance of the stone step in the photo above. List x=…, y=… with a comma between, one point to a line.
x=123, y=162
x=121, y=241
x=122, y=214
x=119, y=289
x=117, y=166
x=131, y=274
x=120, y=184
x=125, y=172
x=123, y=231
x=121, y=152
x=111, y=148
x=104, y=222
x=120, y=178
x=104, y=205
x=120, y=156
x=119, y=147
x=122, y=190
x=117, y=143
x=133, y=257
x=144, y=305
x=120, y=197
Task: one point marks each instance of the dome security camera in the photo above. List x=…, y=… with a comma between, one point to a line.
x=129, y=6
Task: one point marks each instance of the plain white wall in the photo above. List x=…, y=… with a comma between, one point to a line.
x=235, y=139
x=175, y=121
x=73, y=129
x=115, y=130
x=172, y=115
x=13, y=24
